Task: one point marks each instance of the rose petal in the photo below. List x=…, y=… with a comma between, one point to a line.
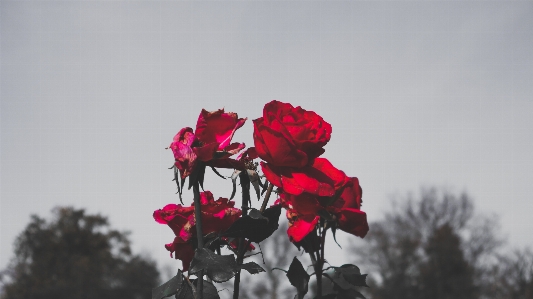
x=352, y=194
x=217, y=126
x=183, y=251
x=302, y=227
x=353, y=221
x=271, y=176
x=206, y=152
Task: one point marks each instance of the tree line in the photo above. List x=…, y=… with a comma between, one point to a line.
x=434, y=245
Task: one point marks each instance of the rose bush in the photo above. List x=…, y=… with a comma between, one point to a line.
x=317, y=197
x=290, y=137
x=217, y=216
x=210, y=143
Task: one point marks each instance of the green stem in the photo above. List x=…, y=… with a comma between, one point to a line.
x=245, y=185
x=199, y=235
x=267, y=196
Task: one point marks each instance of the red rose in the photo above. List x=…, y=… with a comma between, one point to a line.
x=347, y=209
x=320, y=178
x=302, y=211
x=217, y=216
x=211, y=143
x=288, y=136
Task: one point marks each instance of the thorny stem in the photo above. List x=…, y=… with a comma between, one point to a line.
x=245, y=185
x=199, y=234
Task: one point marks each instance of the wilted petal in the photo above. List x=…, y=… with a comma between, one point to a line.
x=183, y=153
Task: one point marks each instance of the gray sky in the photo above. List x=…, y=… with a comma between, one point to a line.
x=418, y=93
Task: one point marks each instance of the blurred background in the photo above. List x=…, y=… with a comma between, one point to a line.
x=427, y=99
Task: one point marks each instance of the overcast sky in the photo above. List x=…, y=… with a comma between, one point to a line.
x=418, y=93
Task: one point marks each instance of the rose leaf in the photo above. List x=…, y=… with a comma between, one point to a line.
x=169, y=288
x=209, y=291
x=255, y=226
x=219, y=268
x=298, y=277
x=252, y=268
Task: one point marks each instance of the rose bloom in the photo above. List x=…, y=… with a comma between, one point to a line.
x=210, y=143
x=217, y=216
x=290, y=137
x=320, y=178
x=302, y=211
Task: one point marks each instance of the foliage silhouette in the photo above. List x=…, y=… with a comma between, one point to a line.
x=76, y=255
x=432, y=247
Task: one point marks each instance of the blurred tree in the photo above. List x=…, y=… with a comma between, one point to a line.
x=433, y=247
x=512, y=277
x=76, y=256
x=445, y=274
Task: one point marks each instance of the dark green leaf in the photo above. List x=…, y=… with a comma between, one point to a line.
x=328, y=296
x=338, y=280
x=186, y=291
x=209, y=291
x=352, y=274
x=298, y=277
x=255, y=214
x=255, y=227
x=169, y=288
x=252, y=268
x=219, y=268
x=311, y=242
x=349, y=294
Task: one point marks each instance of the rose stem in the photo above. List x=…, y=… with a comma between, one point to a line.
x=199, y=235
x=318, y=263
x=321, y=264
x=263, y=207
x=267, y=196
x=245, y=185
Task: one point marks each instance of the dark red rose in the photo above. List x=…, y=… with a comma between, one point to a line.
x=290, y=137
x=211, y=143
x=320, y=178
x=303, y=209
x=214, y=130
x=217, y=216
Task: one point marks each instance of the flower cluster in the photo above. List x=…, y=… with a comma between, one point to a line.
x=290, y=141
x=217, y=216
